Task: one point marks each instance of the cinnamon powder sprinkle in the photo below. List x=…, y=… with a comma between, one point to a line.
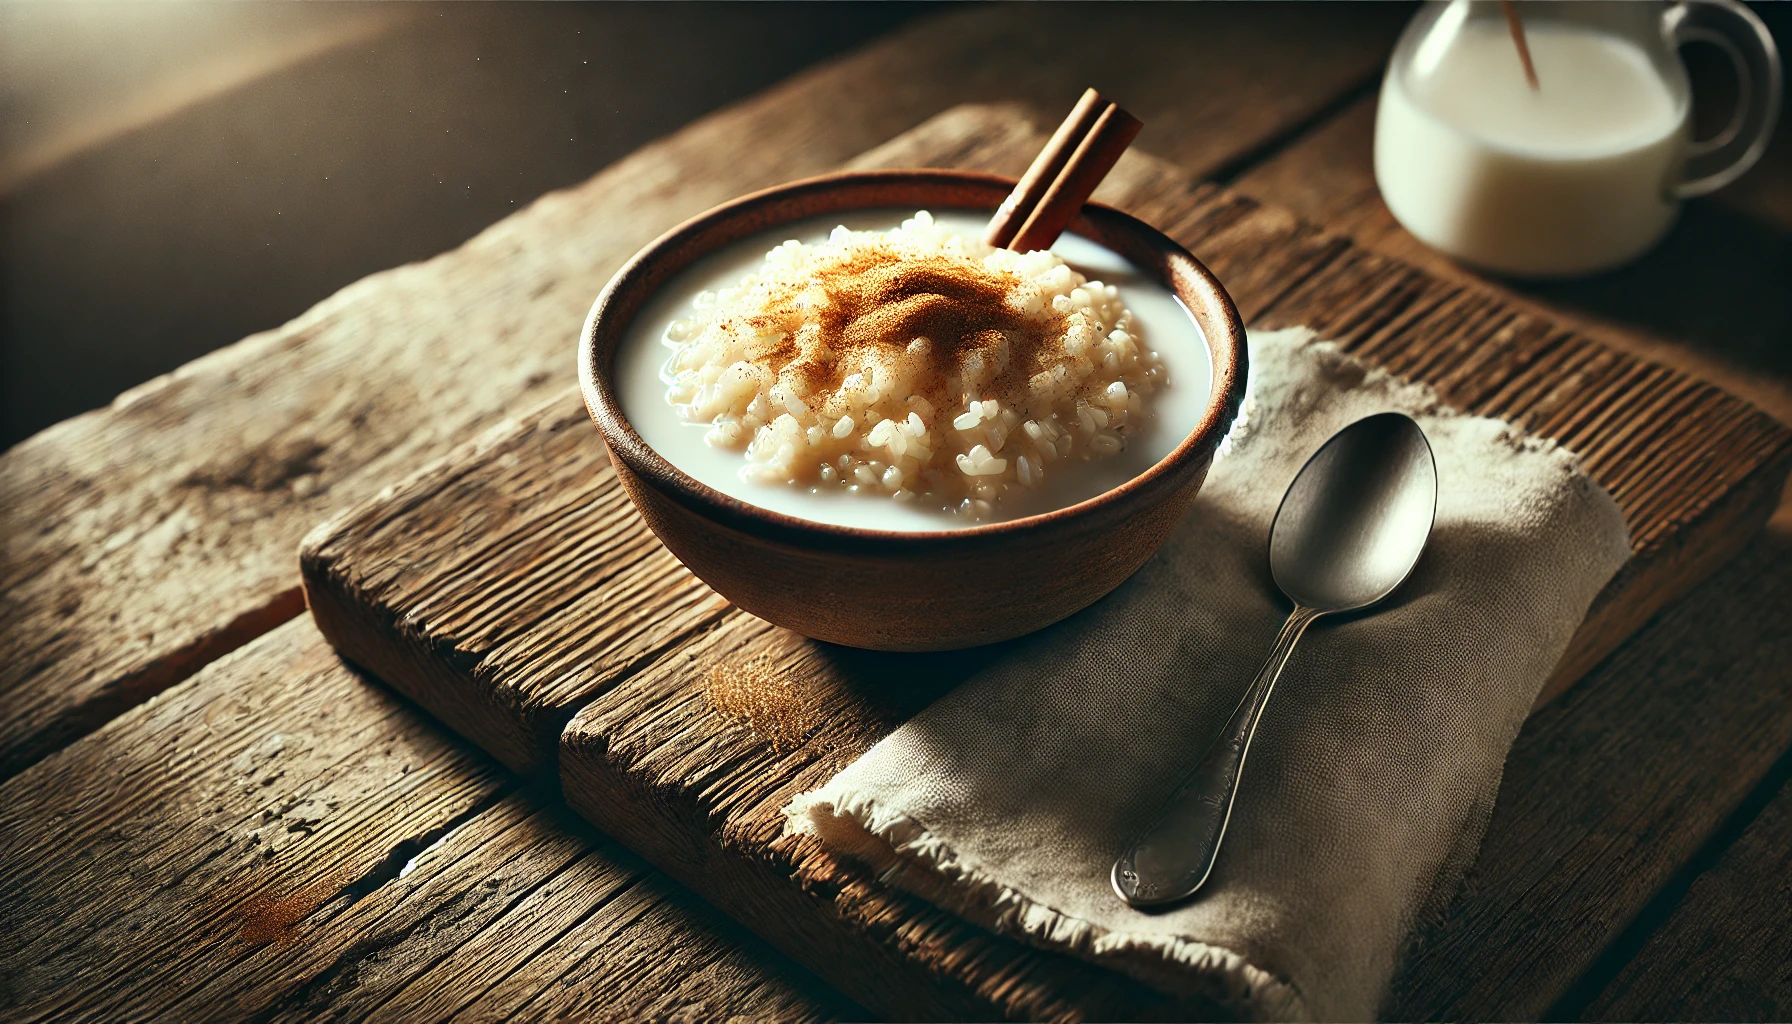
x=763, y=699
x=264, y=918
x=870, y=307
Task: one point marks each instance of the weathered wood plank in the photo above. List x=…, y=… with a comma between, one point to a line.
x=1608, y=793
x=567, y=536
x=278, y=839
x=672, y=763
x=1710, y=301
x=144, y=540
x=438, y=582
x=525, y=913
x=1726, y=951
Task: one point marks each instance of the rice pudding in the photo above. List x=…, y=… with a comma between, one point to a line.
x=910, y=377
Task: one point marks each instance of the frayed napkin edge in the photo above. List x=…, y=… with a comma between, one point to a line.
x=904, y=853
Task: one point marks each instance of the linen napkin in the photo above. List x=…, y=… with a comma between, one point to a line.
x=1373, y=770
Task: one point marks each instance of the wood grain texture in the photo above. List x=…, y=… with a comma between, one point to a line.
x=587, y=594
x=279, y=839
x=1609, y=792
x=675, y=763
x=1726, y=952
x=144, y=540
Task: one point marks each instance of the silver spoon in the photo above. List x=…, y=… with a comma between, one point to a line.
x=1348, y=532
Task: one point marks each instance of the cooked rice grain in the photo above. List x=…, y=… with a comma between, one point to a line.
x=914, y=363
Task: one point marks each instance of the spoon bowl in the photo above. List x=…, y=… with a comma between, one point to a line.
x=1354, y=520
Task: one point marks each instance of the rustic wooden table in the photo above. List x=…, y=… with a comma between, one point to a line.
x=208, y=814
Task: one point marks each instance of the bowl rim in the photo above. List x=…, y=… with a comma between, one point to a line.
x=631, y=286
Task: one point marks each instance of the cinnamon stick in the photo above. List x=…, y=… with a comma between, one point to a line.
x=1114, y=130
x=1064, y=174
x=1045, y=169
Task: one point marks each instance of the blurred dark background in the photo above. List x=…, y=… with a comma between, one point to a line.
x=175, y=176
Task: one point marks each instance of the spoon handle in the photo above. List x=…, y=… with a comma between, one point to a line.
x=1175, y=855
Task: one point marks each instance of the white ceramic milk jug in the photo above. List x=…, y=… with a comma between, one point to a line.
x=1584, y=172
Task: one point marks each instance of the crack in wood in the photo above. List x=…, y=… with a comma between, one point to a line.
x=397, y=860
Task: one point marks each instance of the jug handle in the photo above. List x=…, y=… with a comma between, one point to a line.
x=1715, y=162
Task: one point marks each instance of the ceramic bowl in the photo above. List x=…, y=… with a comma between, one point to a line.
x=908, y=591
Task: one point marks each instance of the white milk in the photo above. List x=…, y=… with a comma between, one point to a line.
x=1160, y=321
x=1568, y=179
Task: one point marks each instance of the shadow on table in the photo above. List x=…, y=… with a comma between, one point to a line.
x=1721, y=283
